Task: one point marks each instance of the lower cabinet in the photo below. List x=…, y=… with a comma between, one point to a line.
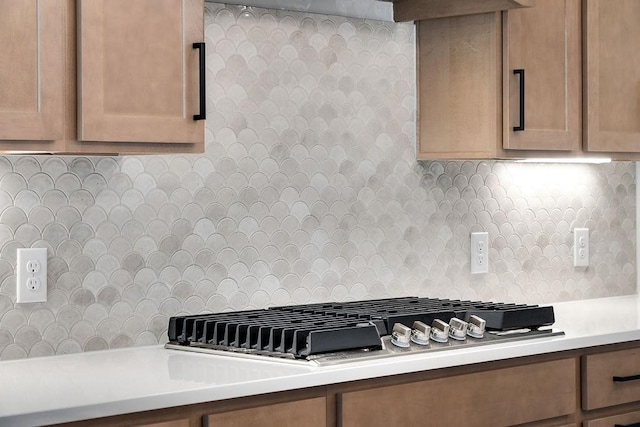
x=144, y=419
x=178, y=423
x=610, y=378
x=611, y=383
x=308, y=412
x=624, y=420
x=501, y=397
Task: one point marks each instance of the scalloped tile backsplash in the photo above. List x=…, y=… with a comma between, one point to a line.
x=308, y=191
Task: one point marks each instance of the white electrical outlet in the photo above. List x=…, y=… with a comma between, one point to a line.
x=581, y=247
x=479, y=252
x=31, y=282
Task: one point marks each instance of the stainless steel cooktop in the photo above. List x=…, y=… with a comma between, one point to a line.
x=334, y=333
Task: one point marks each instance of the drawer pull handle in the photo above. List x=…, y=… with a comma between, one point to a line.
x=202, y=115
x=628, y=425
x=520, y=128
x=625, y=379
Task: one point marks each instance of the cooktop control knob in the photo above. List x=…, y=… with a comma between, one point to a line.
x=476, y=326
x=458, y=329
x=401, y=335
x=439, y=331
x=420, y=333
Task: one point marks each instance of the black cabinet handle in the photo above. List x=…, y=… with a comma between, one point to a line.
x=625, y=379
x=203, y=95
x=520, y=72
x=627, y=425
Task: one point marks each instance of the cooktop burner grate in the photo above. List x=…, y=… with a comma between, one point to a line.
x=302, y=331
x=499, y=316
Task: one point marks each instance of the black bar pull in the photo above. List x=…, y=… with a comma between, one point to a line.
x=627, y=425
x=625, y=379
x=520, y=72
x=203, y=96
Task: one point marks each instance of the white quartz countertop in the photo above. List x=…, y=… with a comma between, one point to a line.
x=89, y=385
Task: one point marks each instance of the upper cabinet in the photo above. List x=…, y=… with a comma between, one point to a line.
x=136, y=85
x=612, y=75
x=496, y=84
x=510, y=84
x=32, y=71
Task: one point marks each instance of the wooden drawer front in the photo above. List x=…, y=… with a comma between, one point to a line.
x=179, y=423
x=598, y=387
x=495, y=398
x=632, y=418
x=308, y=413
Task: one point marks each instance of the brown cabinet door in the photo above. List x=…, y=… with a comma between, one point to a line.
x=32, y=74
x=610, y=379
x=459, y=87
x=543, y=41
x=630, y=418
x=178, y=423
x=138, y=73
x=502, y=397
x=307, y=412
x=612, y=75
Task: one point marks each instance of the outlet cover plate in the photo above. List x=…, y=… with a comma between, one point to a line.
x=581, y=247
x=479, y=252
x=31, y=280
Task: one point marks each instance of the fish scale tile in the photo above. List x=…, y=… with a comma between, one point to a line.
x=308, y=191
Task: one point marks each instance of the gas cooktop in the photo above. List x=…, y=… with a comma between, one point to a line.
x=330, y=333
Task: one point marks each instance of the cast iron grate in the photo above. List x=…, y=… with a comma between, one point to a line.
x=310, y=329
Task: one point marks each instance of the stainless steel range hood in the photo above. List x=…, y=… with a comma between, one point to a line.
x=367, y=9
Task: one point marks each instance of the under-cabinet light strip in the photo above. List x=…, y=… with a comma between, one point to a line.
x=591, y=160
